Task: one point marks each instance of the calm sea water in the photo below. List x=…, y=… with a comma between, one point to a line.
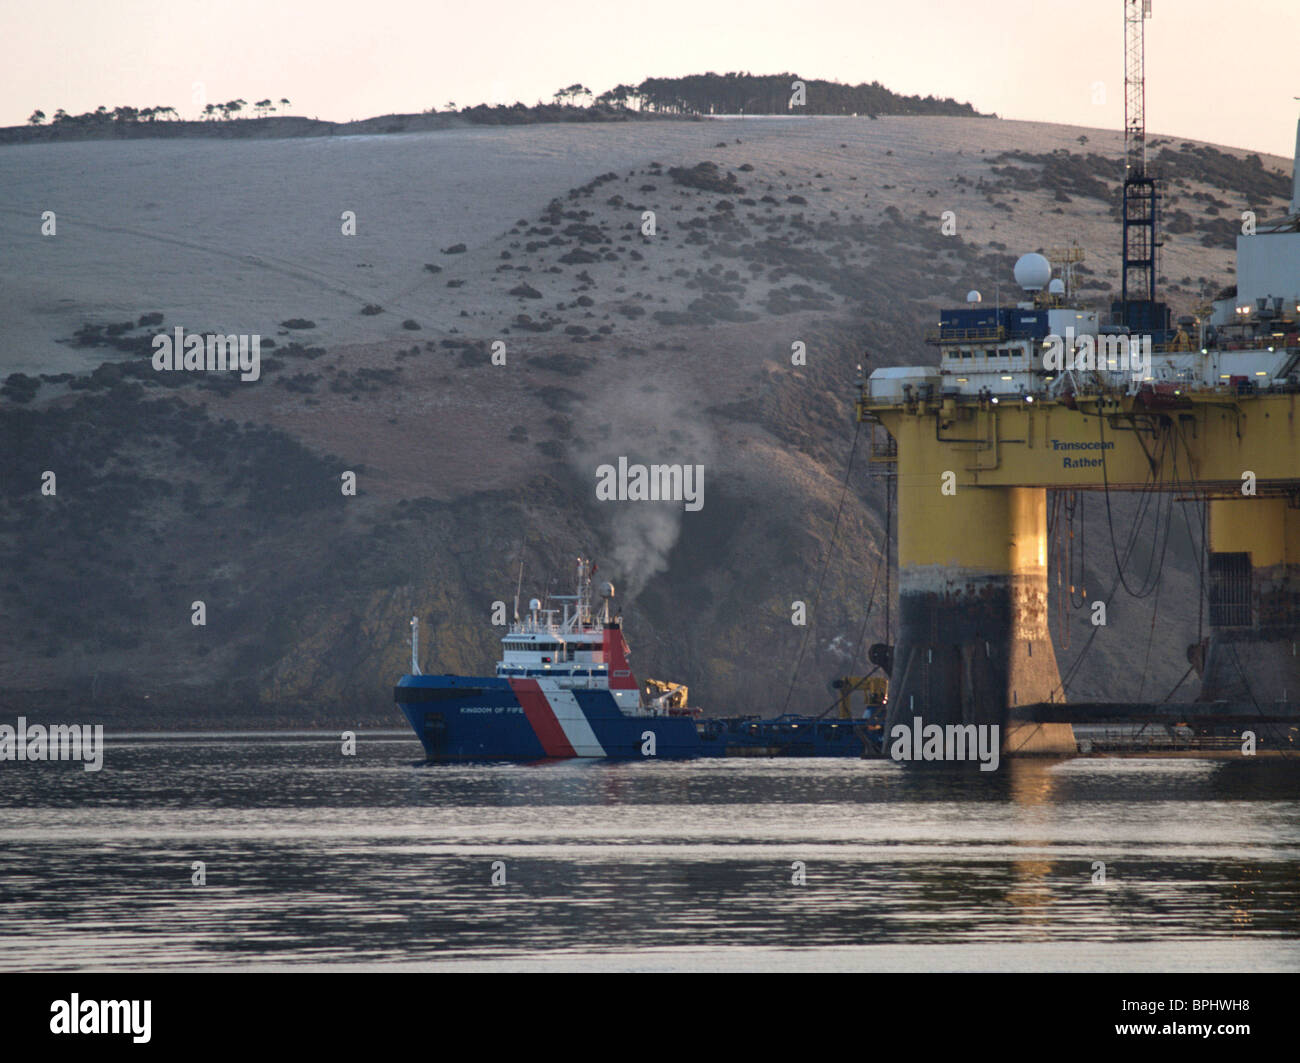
x=316, y=860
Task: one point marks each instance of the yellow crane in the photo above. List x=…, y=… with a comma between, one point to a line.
x=874, y=689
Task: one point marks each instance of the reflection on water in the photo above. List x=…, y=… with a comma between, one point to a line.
x=313, y=858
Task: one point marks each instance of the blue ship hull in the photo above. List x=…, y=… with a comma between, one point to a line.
x=461, y=718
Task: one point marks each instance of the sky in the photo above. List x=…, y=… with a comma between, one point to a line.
x=1214, y=72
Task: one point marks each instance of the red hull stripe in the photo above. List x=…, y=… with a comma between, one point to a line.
x=541, y=717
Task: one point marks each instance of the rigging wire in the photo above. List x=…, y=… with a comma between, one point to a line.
x=1149, y=489
x=862, y=632
x=830, y=551
x=881, y=559
x=1199, y=547
x=1078, y=504
x=1203, y=499
x=1259, y=709
x=1151, y=637
x=1147, y=493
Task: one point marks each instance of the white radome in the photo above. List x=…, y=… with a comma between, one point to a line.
x=1033, y=272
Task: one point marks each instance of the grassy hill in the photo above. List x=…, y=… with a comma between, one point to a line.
x=176, y=488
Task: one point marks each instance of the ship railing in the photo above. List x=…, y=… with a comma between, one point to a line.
x=1158, y=738
x=965, y=335
x=884, y=447
x=1263, y=343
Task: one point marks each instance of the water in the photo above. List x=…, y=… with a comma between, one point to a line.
x=318, y=860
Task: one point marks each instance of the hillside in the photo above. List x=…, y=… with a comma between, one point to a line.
x=674, y=347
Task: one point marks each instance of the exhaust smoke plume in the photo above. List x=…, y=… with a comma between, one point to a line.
x=644, y=535
x=645, y=428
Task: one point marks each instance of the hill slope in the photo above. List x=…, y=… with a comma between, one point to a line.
x=174, y=488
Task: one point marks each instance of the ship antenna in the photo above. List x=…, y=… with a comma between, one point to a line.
x=519, y=587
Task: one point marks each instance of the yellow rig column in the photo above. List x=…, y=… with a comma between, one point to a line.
x=972, y=640
x=1253, y=586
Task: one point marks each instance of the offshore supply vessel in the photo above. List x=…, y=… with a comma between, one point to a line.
x=563, y=688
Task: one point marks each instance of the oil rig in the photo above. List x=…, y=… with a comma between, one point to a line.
x=1044, y=395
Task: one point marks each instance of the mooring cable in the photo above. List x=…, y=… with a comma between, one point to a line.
x=830, y=551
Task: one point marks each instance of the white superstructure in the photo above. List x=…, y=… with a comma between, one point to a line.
x=1047, y=345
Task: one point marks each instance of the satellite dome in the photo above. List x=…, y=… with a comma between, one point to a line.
x=607, y=589
x=534, y=605
x=973, y=296
x=1033, y=272
x=1056, y=286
